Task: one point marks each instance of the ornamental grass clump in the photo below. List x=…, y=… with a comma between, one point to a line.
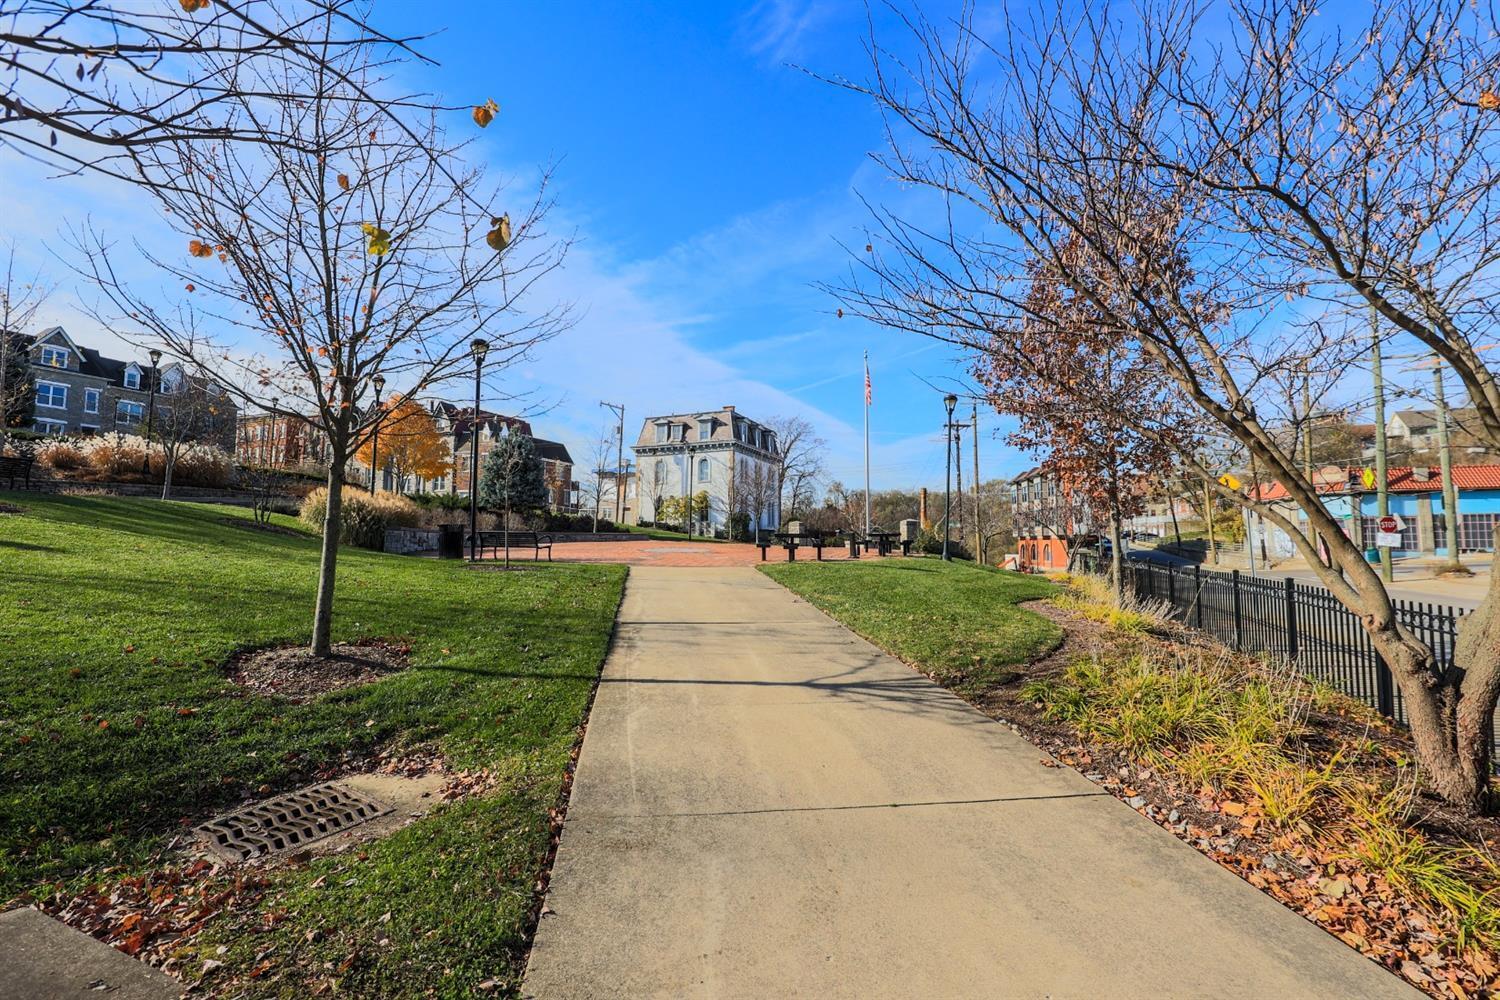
x=1090, y=595
x=363, y=519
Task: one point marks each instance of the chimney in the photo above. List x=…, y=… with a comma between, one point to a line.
x=728, y=409
x=922, y=509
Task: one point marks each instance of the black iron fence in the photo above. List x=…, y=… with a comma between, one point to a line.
x=1301, y=623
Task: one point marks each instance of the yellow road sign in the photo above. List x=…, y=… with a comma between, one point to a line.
x=1228, y=479
x=1368, y=478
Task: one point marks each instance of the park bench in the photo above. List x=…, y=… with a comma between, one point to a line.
x=518, y=540
x=14, y=465
x=791, y=541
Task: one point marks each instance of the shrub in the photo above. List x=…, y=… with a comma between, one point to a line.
x=61, y=455
x=363, y=519
x=439, y=501
x=932, y=544
x=739, y=527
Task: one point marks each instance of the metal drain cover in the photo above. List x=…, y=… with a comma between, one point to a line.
x=289, y=821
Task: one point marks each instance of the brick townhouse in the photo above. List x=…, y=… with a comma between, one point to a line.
x=79, y=391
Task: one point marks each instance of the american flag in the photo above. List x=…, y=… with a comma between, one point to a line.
x=867, y=382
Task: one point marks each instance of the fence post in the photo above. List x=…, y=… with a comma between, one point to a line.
x=1198, y=593
x=1234, y=587
x=1172, y=586
x=1290, y=592
x=1385, y=692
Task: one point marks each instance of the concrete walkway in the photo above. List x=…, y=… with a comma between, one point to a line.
x=768, y=806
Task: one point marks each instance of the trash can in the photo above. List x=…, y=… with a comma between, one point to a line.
x=451, y=541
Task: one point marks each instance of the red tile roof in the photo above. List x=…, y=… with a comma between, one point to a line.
x=1399, y=479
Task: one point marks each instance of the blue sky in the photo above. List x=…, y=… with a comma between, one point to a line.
x=709, y=184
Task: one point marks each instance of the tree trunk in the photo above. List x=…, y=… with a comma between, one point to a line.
x=1116, y=560
x=169, y=461
x=328, y=559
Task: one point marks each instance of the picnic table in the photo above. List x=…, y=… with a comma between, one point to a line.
x=882, y=541
x=791, y=540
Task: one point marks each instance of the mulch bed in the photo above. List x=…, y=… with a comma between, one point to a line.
x=1315, y=879
x=292, y=672
x=270, y=529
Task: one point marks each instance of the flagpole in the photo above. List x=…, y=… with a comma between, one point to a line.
x=867, y=444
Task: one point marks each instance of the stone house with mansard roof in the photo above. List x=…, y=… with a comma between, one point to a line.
x=682, y=454
x=79, y=391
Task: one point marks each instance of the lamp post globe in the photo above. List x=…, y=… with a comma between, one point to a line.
x=478, y=347
x=379, y=383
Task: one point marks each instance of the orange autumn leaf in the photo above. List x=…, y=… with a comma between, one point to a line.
x=485, y=113
x=200, y=249
x=344, y=181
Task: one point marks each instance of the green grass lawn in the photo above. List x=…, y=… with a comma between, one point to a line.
x=118, y=727
x=957, y=621
x=663, y=535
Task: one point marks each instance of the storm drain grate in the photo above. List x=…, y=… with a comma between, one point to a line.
x=289, y=821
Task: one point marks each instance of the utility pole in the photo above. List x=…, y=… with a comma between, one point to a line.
x=619, y=409
x=978, y=517
x=1445, y=458
x=1382, y=487
x=958, y=472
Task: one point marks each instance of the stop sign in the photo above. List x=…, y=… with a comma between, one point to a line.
x=1389, y=524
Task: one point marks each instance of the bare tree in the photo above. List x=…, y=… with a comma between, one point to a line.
x=85, y=82
x=351, y=252
x=654, y=482
x=802, y=455
x=754, y=493
x=188, y=410
x=1337, y=181
x=20, y=299
x=598, y=482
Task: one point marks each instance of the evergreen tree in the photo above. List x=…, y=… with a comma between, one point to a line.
x=16, y=386
x=512, y=477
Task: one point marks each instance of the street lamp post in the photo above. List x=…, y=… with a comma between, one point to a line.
x=155, y=357
x=379, y=383
x=949, y=401
x=479, y=348
x=272, y=462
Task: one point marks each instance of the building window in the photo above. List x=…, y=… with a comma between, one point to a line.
x=128, y=413
x=705, y=429
x=55, y=357
x=50, y=426
x=88, y=430
x=52, y=394
x=661, y=433
x=132, y=378
x=703, y=472
x=91, y=401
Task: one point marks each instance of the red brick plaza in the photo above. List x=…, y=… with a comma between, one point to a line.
x=657, y=553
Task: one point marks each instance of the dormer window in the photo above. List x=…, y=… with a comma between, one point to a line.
x=705, y=429
x=55, y=357
x=132, y=378
x=661, y=433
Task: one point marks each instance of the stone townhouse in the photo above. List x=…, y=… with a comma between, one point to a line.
x=717, y=452
x=78, y=391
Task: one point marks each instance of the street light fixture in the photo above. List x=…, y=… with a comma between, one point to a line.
x=273, y=462
x=379, y=383
x=155, y=357
x=479, y=348
x=949, y=401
